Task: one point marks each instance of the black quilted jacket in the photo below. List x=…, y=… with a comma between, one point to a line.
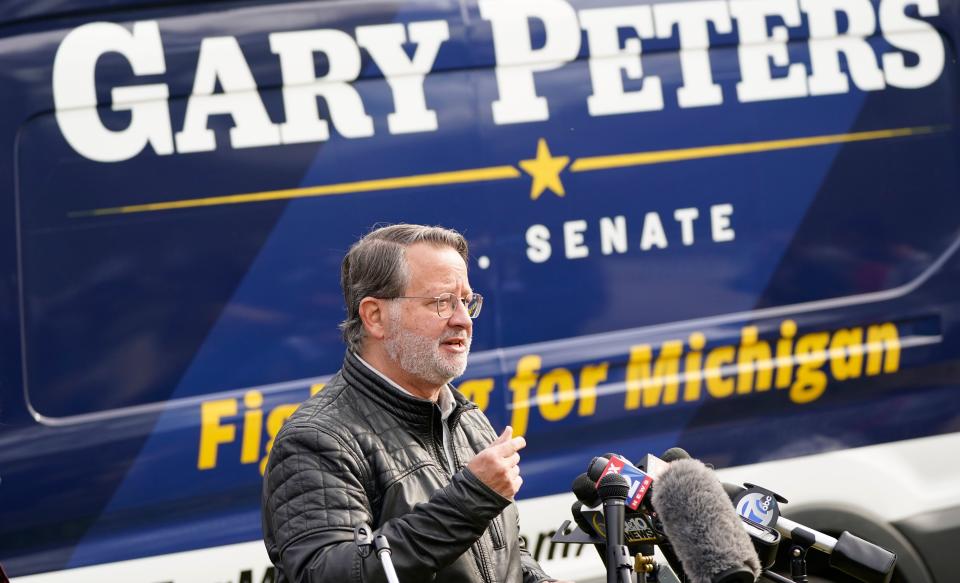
x=361, y=451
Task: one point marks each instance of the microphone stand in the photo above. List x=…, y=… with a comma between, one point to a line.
x=777, y=578
x=802, y=542
x=625, y=565
x=363, y=536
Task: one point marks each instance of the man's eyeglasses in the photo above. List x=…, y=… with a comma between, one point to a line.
x=447, y=303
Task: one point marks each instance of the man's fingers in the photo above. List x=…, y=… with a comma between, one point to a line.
x=506, y=445
x=502, y=455
x=514, y=445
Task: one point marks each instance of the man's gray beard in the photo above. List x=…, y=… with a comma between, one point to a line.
x=420, y=356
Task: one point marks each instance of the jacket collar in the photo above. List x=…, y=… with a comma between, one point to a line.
x=413, y=411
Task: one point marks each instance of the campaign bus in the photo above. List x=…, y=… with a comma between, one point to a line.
x=725, y=225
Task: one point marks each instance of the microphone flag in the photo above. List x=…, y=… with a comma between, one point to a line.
x=638, y=480
x=758, y=504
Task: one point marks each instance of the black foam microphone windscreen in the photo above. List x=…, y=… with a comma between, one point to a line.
x=596, y=467
x=577, y=510
x=586, y=490
x=702, y=525
x=585, y=526
x=598, y=464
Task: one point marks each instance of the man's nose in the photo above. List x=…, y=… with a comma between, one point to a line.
x=460, y=317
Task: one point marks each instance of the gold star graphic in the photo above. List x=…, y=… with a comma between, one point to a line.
x=545, y=170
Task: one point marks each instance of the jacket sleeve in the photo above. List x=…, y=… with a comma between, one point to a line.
x=314, y=497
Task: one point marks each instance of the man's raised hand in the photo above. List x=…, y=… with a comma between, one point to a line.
x=497, y=465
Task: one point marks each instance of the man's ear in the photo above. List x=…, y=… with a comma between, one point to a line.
x=373, y=314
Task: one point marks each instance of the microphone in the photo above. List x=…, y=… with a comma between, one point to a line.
x=765, y=539
x=613, y=489
x=582, y=522
x=849, y=554
x=637, y=480
x=654, y=466
x=585, y=526
x=704, y=529
x=597, y=465
x=642, y=528
x=586, y=490
x=675, y=453
x=638, y=533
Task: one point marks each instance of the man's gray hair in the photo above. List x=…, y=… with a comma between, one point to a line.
x=376, y=267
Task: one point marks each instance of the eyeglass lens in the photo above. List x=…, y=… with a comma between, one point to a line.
x=445, y=305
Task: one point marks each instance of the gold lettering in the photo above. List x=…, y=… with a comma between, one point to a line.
x=591, y=375
x=754, y=355
x=212, y=433
x=252, y=422
x=846, y=354
x=717, y=386
x=556, y=394
x=694, y=360
x=478, y=391
x=811, y=356
x=521, y=385
x=659, y=386
x=788, y=329
x=883, y=338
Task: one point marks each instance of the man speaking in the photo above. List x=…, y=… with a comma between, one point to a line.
x=390, y=443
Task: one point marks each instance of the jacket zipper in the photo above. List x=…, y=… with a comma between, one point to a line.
x=496, y=532
x=438, y=449
x=479, y=554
